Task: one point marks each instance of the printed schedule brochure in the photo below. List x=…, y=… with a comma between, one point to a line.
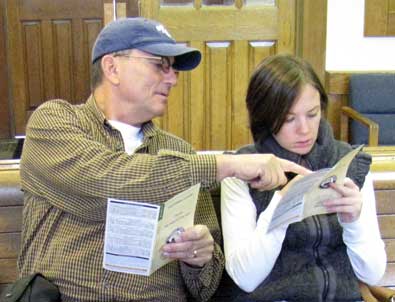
x=304, y=198
x=136, y=231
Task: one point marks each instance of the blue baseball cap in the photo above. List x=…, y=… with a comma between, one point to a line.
x=146, y=35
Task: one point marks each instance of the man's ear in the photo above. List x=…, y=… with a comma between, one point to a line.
x=110, y=69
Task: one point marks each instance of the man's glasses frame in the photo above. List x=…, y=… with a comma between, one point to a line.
x=163, y=62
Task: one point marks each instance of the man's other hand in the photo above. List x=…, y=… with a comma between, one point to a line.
x=194, y=246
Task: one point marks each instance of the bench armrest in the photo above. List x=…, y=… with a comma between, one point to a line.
x=347, y=113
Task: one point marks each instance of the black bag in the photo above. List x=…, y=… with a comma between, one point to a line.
x=32, y=288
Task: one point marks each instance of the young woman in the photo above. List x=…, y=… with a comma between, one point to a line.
x=322, y=257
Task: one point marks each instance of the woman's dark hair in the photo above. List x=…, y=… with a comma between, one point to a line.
x=272, y=90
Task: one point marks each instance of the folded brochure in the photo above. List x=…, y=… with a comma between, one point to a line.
x=136, y=231
x=304, y=198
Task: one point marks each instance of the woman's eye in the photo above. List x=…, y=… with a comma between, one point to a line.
x=312, y=115
x=289, y=119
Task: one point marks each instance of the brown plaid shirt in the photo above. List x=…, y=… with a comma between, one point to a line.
x=72, y=161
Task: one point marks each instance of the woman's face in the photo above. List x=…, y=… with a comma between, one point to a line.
x=300, y=129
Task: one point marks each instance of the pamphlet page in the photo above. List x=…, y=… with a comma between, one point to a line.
x=304, y=198
x=136, y=231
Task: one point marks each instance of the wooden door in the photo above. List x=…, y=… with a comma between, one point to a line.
x=207, y=107
x=49, y=44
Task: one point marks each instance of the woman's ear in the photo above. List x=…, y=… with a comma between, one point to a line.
x=110, y=68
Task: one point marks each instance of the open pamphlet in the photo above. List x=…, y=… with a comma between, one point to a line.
x=136, y=231
x=305, y=196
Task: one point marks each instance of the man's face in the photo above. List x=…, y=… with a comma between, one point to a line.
x=300, y=129
x=144, y=86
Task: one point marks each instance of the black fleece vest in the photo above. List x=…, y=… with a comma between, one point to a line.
x=313, y=264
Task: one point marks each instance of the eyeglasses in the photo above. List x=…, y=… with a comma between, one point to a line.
x=162, y=62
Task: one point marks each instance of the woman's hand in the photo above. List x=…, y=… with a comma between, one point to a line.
x=348, y=206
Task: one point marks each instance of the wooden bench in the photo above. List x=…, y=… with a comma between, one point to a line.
x=11, y=202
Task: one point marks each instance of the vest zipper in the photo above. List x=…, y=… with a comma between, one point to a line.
x=316, y=254
x=317, y=243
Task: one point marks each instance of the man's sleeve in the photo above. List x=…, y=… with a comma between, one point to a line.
x=66, y=163
x=203, y=282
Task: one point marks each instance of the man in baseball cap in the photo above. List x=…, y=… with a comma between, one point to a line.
x=76, y=157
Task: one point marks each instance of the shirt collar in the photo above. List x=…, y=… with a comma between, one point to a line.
x=149, y=129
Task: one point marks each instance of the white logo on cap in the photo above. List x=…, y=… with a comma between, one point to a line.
x=162, y=29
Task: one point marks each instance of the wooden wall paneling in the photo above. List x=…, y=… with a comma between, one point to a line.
x=379, y=18
x=5, y=122
x=239, y=118
x=49, y=61
x=197, y=101
x=8, y=270
x=177, y=108
x=390, y=248
x=287, y=26
x=17, y=85
x=258, y=51
x=311, y=34
x=132, y=8
x=92, y=28
x=376, y=12
x=110, y=13
x=80, y=78
x=218, y=86
x=9, y=245
x=391, y=19
x=63, y=50
x=32, y=57
x=218, y=96
x=49, y=46
x=385, y=201
x=385, y=210
x=387, y=223
x=228, y=22
x=11, y=219
x=125, y=8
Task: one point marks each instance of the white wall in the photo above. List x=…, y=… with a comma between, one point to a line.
x=347, y=48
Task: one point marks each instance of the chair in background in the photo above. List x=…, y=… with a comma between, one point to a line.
x=370, y=117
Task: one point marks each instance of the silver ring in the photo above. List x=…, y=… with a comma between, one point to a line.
x=194, y=253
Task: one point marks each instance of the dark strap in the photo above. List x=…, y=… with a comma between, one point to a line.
x=31, y=288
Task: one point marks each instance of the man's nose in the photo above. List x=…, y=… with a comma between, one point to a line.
x=171, y=77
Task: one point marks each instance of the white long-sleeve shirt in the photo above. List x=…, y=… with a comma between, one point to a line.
x=251, y=251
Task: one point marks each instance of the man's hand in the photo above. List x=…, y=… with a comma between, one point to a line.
x=290, y=184
x=194, y=246
x=262, y=171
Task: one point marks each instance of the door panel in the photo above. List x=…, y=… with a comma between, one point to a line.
x=233, y=38
x=49, y=51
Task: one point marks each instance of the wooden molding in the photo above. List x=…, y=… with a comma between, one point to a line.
x=379, y=18
x=109, y=12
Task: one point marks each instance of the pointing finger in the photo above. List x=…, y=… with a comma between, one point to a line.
x=289, y=166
